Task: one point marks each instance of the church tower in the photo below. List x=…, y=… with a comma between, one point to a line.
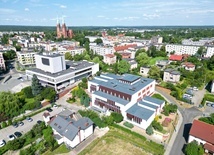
x=58, y=29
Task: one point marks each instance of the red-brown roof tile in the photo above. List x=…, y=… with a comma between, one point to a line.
x=209, y=147
x=125, y=47
x=176, y=57
x=110, y=55
x=203, y=131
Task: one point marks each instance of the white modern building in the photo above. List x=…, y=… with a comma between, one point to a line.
x=171, y=75
x=210, y=52
x=73, y=50
x=182, y=49
x=52, y=70
x=102, y=50
x=67, y=129
x=126, y=94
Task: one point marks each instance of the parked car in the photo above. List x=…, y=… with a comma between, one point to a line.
x=11, y=137
x=17, y=134
x=195, y=88
x=209, y=104
x=20, y=123
x=15, y=125
x=39, y=122
x=212, y=105
x=29, y=119
x=55, y=106
x=49, y=109
x=2, y=142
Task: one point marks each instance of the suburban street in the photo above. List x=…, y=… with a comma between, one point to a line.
x=182, y=134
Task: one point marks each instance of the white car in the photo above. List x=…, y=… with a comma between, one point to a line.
x=11, y=137
x=2, y=142
x=195, y=88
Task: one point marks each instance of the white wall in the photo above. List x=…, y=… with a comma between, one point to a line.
x=73, y=143
x=192, y=138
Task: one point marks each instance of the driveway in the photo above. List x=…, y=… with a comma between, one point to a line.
x=198, y=97
x=27, y=125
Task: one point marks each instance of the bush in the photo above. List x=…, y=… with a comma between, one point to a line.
x=158, y=96
x=3, y=124
x=169, y=108
x=157, y=126
x=9, y=122
x=129, y=125
x=160, y=117
x=16, y=144
x=27, y=91
x=149, y=130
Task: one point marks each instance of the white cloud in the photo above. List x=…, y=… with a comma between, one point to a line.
x=100, y=16
x=27, y=9
x=63, y=6
x=6, y=11
x=150, y=16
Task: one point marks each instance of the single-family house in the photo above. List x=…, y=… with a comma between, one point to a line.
x=202, y=133
x=144, y=71
x=188, y=66
x=171, y=75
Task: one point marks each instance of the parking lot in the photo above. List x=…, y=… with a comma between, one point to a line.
x=14, y=84
x=4, y=133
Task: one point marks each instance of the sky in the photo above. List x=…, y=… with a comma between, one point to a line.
x=107, y=12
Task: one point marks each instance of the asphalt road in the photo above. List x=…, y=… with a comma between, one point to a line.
x=182, y=134
x=4, y=133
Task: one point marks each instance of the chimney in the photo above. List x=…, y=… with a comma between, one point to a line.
x=86, y=124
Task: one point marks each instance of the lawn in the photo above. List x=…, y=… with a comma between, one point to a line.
x=119, y=141
x=61, y=149
x=153, y=60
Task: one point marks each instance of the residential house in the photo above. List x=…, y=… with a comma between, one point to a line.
x=188, y=66
x=171, y=75
x=132, y=62
x=126, y=94
x=202, y=133
x=125, y=55
x=162, y=63
x=174, y=57
x=109, y=59
x=144, y=71
x=69, y=130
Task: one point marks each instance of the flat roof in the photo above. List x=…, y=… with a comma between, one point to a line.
x=148, y=105
x=71, y=66
x=153, y=100
x=111, y=97
x=140, y=112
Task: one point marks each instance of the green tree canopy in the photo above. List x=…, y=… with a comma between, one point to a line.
x=194, y=149
x=123, y=67
x=68, y=56
x=154, y=73
x=35, y=86
x=142, y=59
x=98, y=41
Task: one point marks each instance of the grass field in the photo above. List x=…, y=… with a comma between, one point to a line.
x=153, y=60
x=61, y=149
x=122, y=141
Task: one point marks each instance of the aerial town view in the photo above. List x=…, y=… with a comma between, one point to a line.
x=116, y=77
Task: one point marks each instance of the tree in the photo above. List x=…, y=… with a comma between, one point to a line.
x=98, y=41
x=123, y=67
x=194, y=149
x=18, y=48
x=142, y=59
x=154, y=72
x=16, y=144
x=157, y=126
x=27, y=91
x=118, y=55
x=117, y=117
x=68, y=56
x=149, y=130
x=201, y=51
x=9, y=55
x=35, y=86
x=48, y=93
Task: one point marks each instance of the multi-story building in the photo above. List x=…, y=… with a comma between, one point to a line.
x=182, y=49
x=26, y=57
x=157, y=40
x=2, y=63
x=126, y=94
x=210, y=52
x=144, y=71
x=171, y=75
x=102, y=50
x=52, y=70
x=72, y=50
x=109, y=59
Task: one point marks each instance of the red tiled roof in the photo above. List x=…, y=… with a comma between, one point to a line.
x=46, y=114
x=110, y=55
x=125, y=54
x=189, y=64
x=125, y=47
x=203, y=131
x=209, y=147
x=176, y=57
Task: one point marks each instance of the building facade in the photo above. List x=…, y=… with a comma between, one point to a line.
x=171, y=75
x=62, y=31
x=126, y=94
x=2, y=63
x=26, y=57
x=182, y=49
x=52, y=70
x=102, y=50
x=109, y=59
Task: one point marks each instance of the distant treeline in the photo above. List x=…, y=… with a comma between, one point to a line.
x=53, y=28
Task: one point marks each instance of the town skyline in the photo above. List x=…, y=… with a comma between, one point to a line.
x=107, y=13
